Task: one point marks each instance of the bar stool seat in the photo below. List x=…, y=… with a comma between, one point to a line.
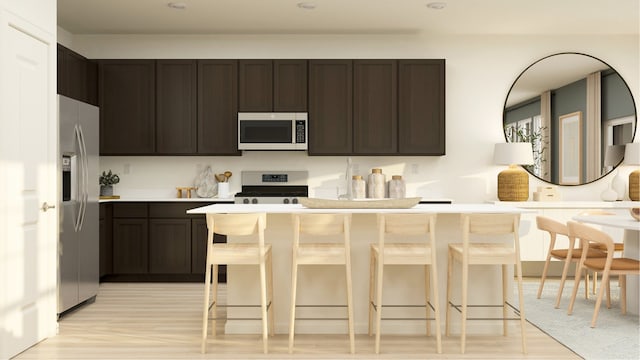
x=335, y=253
x=257, y=253
x=416, y=253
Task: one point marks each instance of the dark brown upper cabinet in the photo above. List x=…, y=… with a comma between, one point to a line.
x=218, y=107
x=176, y=94
x=421, y=107
x=330, y=107
x=256, y=85
x=273, y=85
x=290, y=85
x=375, y=107
x=77, y=76
x=127, y=107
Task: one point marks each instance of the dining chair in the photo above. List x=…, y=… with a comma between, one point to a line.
x=501, y=252
x=422, y=252
x=568, y=255
x=256, y=253
x=608, y=266
x=321, y=253
x=617, y=246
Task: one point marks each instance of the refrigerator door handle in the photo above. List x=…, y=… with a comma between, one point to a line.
x=85, y=167
x=81, y=185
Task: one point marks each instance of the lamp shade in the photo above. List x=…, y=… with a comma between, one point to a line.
x=613, y=155
x=520, y=153
x=632, y=153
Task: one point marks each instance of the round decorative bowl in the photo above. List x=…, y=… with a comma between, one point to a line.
x=635, y=212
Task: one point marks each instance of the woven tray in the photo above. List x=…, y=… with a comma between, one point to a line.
x=314, y=203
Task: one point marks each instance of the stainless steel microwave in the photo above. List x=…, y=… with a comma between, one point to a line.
x=272, y=131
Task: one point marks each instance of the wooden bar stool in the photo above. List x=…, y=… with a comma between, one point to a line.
x=257, y=253
x=305, y=253
x=494, y=253
x=417, y=253
x=568, y=255
x=608, y=266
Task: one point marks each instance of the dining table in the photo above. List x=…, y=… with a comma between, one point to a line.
x=631, y=240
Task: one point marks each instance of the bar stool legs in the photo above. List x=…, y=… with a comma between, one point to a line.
x=321, y=254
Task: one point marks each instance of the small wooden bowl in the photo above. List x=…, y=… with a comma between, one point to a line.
x=635, y=212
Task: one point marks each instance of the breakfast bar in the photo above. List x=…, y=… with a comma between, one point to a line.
x=243, y=284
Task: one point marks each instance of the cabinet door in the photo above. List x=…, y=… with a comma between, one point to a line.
x=330, y=107
x=176, y=107
x=127, y=107
x=256, y=85
x=130, y=246
x=106, y=239
x=218, y=107
x=290, y=85
x=62, y=89
x=170, y=246
x=92, y=82
x=75, y=73
x=375, y=111
x=421, y=101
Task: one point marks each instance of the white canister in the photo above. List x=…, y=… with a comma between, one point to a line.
x=358, y=187
x=223, y=190
x=397, y=188
x=376, y=184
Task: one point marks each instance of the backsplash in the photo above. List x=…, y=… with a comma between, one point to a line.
x=428, y=177
x=155, y=176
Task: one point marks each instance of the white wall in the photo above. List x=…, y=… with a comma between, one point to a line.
x=480, y=71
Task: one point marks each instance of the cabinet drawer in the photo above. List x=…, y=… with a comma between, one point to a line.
x=130, y=210
x=173, y=210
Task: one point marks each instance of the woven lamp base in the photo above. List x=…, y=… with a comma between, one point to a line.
x=634, y=185
x=513, y=184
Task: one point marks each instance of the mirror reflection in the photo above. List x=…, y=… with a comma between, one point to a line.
x=577, y=112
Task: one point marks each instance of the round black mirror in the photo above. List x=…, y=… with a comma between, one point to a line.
x=577, y=112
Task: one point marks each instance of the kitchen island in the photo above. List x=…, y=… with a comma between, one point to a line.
x=326, y=285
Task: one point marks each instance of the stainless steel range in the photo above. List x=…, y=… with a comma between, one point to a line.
x=272, y=187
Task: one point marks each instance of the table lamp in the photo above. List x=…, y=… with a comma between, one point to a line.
x=632, y=157
x=612, y=157
x=513, y=183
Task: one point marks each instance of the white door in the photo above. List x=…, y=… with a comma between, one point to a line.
x=28, y=179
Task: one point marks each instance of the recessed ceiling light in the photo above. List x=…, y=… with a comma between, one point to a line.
x=306, y=5
x=177, y=5
x=437, y=5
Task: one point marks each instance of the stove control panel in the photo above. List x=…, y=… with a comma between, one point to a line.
x=266, y=200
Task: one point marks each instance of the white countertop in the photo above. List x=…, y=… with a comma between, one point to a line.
x=297, y=208
x=570, y=204
x=168, y=199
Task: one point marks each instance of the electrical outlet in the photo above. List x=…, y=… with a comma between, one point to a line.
x=355, y=169
x=414, y=169
x=127, y=169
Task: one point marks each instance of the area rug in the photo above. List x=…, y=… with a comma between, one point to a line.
x=615, y=336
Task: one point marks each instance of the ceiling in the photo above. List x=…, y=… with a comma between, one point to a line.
x=554, y=17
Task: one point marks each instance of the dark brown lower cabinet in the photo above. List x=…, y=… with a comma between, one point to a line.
x=170, y=248
x=154, y=242
x=130, y=246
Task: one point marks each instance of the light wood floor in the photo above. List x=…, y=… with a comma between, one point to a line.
x=162, y=321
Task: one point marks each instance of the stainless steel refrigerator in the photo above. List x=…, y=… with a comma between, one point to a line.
x=78, y=246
